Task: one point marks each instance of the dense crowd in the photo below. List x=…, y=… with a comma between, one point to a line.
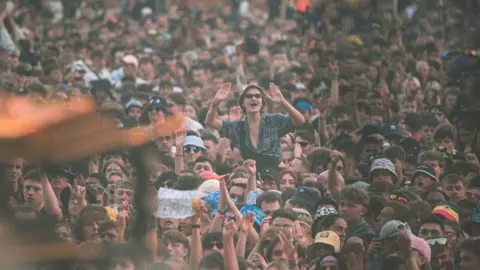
x=317, y=135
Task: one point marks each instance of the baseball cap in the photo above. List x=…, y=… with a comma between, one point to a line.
x=207, y=175
x=305, y=196
x=158, y=102
x=390, y=130
x=268, y=173
x=130, y=59
x=133, y=103
x=392, y=227
x=195, y=141
x=208, y=187
x=447, y=210
x=425, y=170
x=329, y=238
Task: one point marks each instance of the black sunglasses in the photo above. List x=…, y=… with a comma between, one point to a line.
x=303, y=144
x=210, y=245
x=189, y=149
x=249, y=96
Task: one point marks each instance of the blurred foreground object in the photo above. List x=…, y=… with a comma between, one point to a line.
x=62, y=132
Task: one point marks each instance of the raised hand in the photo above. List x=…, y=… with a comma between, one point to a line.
x=235, y=113
x=335, y=156
x=246, y=223
x=323, y=103
x=258, y=262
x=229, y=229
x=334, y=68
x=297, y=151
x=275, y=95
x=288, y=246
x=251, y=166
x=180, y=136
x=222, y=93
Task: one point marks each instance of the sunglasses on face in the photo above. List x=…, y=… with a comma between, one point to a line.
x=437, y=241
x=303, y=144
x=250, y=96
x=210, y=245
x=190, y=148
x=202, y=167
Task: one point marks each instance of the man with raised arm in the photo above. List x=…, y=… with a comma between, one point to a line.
x=258, y=134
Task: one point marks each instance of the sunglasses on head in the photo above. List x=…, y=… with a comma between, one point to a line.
x=190, y=148
x=210, y=245
x=398, y=198
x=249, y=96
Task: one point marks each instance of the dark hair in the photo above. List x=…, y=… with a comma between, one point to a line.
x=402, y=210
x=178, y=99
x=471, y=245
x=444, y=131
x=340, y=109
x=187, y=182
x=413, y=121
x=97, y=54
x=33, y=175
x=432, y=155
x=452, y=179
x=212, y=261
x=269, y=197
x=356, y=195
x=242, y=96
x=432, y=219
x=380, y=187
x=395, y=152
x=175, y=237
x=107, y=225
x=377, y=203
x=324, y=223
x=210, y=137
x=341, y=262
x=287, y=194
x=205, y=159
x=283, y=213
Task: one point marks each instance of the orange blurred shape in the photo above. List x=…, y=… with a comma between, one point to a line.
x=22, y=116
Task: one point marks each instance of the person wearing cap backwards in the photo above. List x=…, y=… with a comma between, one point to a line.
x=424, y=177
x=258, y=135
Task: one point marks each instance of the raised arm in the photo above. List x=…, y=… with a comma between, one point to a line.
x=196, y=245
x=51, y=202
x=229, y=255
x=333, y=183
x=334, y=87
x=276, y=96
x=180, y=136
x=251, y=165
x=212, y=119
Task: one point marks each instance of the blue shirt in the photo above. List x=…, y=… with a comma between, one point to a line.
x=268, y=152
